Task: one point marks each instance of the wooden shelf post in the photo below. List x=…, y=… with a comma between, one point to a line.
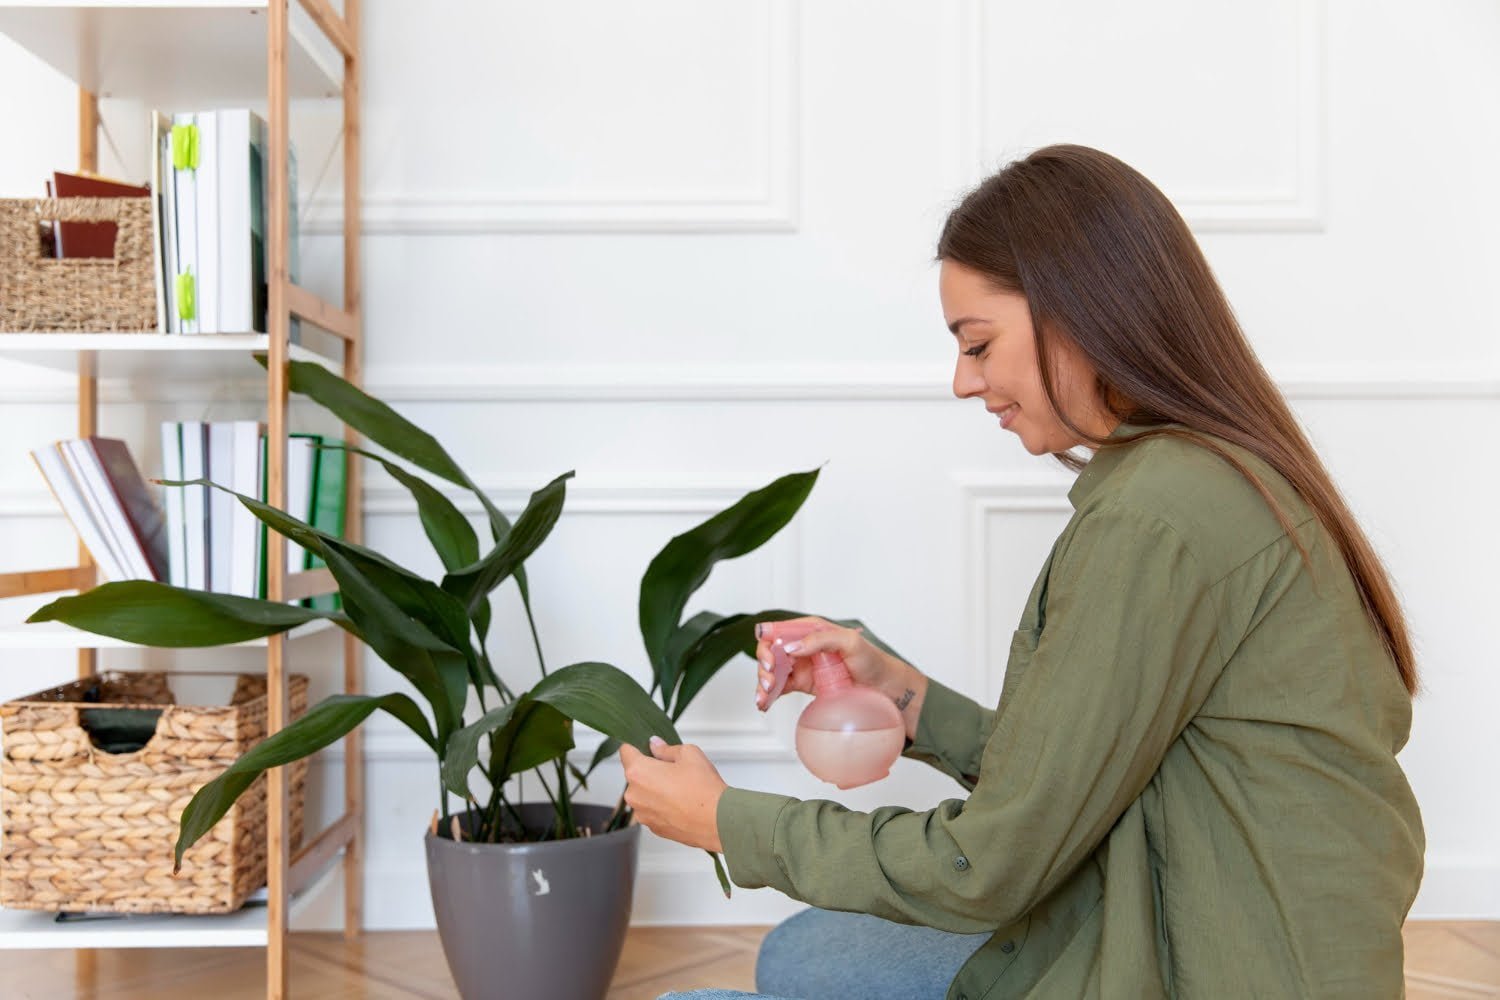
x=354, y=768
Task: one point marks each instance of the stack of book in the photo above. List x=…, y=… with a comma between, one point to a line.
x=209, y=174
x=208, y=185
x=196, y=537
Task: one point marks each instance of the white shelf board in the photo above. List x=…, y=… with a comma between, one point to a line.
x=133, y=356
x=181, y=56
x=246, y=927
x=56, y=635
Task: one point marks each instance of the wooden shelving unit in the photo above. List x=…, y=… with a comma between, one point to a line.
x=175, y=56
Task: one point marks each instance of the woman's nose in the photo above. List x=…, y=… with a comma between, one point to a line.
x=966, y=381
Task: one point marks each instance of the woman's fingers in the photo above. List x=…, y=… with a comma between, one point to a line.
x=783, y=650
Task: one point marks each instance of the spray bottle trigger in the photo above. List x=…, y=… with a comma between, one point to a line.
x=781, y=671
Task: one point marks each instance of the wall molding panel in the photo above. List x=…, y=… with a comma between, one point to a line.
x=982, y=496
x=1295, y=209
x=771, y=207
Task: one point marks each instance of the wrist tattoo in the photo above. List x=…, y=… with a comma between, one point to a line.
x=905, y=699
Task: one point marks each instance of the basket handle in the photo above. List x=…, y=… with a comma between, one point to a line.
x=22, y=214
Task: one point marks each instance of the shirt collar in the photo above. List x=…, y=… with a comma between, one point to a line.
x=1105, y=460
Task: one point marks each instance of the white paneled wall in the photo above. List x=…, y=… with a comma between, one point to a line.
x=685, y=248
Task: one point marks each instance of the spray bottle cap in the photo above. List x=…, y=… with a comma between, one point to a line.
x=830, y=673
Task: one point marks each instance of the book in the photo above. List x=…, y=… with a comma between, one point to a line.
x=83, y=465
x=331, y=473
x=89, y=239
x=220, y=506
x=245, y=546
x=161, y=128
x=171, y=469
x=206, y=206
x=195, y=502
x=49, y=461
x=185, y=151
x=242, y=270
x=301, y=454
x=134, y=504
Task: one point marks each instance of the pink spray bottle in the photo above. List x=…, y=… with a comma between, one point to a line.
x=849, y=735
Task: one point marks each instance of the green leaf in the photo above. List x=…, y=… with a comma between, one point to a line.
x=393, y=432
x=683, y=638
x=714, y=647
x=472, y=583
x=329, y=720
x=481, y=616
x=157, y=614
x=372, y=418
x=500, y=528
x=463, y=745
x=451, y=534
x=682, y=566
x=606, y=750
x=406, y=645
x=527, y=733
x=606, y=698
x=544, y=734
x=719, y=871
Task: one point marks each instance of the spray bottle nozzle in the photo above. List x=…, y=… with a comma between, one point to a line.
x=782, y=633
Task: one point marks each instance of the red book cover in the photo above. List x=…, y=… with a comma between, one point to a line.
x=142, y=511
x=90, y=239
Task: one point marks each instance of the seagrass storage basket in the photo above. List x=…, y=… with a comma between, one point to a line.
x=87, y=829
x=46, y=295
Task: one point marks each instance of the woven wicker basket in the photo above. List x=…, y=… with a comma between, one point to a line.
x=87, y=830
x=46, y=295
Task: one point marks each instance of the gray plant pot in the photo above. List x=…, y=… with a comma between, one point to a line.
x=543, y=921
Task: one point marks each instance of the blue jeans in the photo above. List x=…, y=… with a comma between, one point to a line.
x=826, y=955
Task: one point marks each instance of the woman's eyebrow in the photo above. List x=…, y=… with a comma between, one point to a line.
x=957, y=324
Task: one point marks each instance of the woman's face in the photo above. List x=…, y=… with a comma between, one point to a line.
x=997, y=363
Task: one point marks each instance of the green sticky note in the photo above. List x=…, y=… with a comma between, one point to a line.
x=185, y=304
x=185, y=147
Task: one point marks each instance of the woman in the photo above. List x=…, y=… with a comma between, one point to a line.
x=1189, y=787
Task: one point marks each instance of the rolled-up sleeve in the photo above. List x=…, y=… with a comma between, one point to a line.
x=951, y=733
x=1128, y=651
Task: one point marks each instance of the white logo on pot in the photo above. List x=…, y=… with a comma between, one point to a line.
x=542, y=888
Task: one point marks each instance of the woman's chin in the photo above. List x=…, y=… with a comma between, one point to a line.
x=1036, y=448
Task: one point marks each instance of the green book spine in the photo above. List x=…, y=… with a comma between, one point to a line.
x=330, y=475
x=265, y=489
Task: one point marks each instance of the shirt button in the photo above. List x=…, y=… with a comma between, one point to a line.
x=1008, y=947
x=961, y=863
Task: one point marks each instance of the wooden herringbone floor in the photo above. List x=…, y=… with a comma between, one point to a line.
x=1443, y=960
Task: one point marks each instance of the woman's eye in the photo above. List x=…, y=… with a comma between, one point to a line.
x=976, y=350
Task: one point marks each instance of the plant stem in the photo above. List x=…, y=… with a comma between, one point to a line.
x=506, y=696
x=565, y=805
x=619, y=811
x=476, y=827
x=558, y=805
x=496, y=794
x=535, y=640
x=521, y=826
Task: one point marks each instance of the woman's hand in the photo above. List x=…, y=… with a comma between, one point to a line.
x=675, y=793
x=868, y=664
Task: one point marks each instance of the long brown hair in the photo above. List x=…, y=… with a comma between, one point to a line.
x=1106, y=262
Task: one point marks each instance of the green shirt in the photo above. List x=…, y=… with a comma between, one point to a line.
x=1189, y=787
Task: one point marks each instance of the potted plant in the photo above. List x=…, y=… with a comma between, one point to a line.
x=538, y=893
